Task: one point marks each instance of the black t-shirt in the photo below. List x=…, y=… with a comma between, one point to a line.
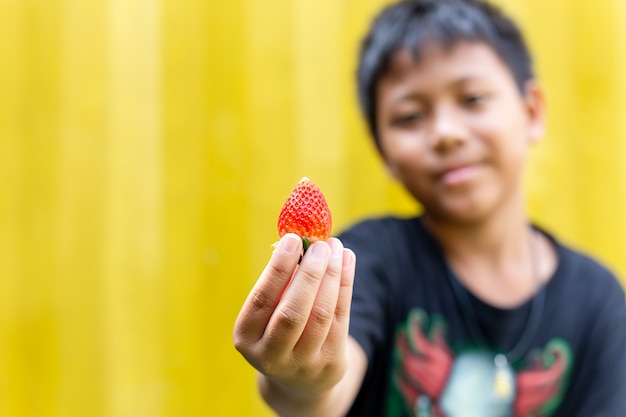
x=424, y=358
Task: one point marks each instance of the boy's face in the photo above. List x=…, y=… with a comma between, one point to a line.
x=454, y=129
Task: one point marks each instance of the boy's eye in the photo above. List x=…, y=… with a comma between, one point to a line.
x=473, y=99
x=408, y=118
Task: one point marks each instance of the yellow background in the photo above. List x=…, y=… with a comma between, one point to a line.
x=146, y=148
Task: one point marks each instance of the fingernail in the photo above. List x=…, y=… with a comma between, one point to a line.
x=349, y=259
x=319, y=250
x=290, y=244
x=336, y=248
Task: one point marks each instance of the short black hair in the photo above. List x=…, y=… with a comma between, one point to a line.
x=411, y=24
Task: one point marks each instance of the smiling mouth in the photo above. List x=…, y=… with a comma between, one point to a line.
x=459, y=176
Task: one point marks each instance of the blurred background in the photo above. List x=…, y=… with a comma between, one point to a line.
x=146, y=148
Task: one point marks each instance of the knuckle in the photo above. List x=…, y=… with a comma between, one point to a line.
x=289, y=318
x=243, y=342
x=260, y=302
x=278, y=270
x=335, y=370
x=240, y=342
x=321, y=315
x=341, y=310
x=305, y=368
x=334, y=367
x=270, y=366
x=311, y=278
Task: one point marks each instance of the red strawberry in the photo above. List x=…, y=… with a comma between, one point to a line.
x=306, y=214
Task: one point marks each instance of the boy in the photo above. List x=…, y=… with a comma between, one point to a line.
x=466, y=310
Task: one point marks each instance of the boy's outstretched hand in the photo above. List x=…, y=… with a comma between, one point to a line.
x=293, y=327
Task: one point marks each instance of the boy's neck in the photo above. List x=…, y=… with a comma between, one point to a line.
x=500, y=259
x=502, y=235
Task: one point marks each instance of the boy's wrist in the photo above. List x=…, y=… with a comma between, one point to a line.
x=286, y=398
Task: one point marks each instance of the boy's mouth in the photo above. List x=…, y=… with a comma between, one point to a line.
x=458, y=175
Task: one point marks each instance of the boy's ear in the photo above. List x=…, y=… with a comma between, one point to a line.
x=536, y=110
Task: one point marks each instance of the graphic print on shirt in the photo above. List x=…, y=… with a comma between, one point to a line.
x=431, y=380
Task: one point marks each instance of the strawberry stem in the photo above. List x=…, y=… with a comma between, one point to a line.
x=305, y=244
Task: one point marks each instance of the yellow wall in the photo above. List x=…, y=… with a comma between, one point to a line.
x=146, y=148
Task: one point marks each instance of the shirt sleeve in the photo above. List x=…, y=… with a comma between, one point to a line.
x=604, y=374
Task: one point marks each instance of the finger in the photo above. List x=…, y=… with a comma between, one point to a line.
x=265, y=295
x=290, y=316
x=339, y=329
x=323, y=310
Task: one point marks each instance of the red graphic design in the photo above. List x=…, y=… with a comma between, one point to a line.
x=425, y=364
x=540, y=383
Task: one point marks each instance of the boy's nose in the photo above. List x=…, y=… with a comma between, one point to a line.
x=447, y=130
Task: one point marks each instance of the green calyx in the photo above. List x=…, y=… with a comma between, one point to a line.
x=305, y=244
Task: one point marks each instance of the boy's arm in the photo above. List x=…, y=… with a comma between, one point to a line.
x=293, y=328
x=335, y=402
